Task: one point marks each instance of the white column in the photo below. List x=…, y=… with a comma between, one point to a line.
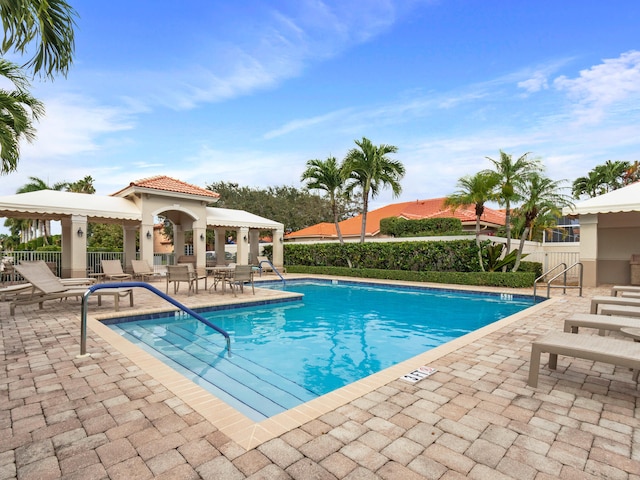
x=220, y=240
x=129, y=245
x=589, y=249
x=243, y=246
x=278, y=249
x=77, y=267
x=254, y=246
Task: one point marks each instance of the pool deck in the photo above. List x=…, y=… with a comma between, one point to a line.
x=118, y=413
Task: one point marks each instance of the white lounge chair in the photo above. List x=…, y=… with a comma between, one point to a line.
x=619, y=301
x=590, y=347
x=624, y=288
x=143, y=271
x=112, y=270
x=46, y=286
x=602, y=323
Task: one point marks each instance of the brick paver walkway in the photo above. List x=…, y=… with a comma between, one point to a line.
x=105, y=417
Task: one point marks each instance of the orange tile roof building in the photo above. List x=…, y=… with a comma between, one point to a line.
x=490, y=221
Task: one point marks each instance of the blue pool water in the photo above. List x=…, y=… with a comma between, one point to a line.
x=287, y=353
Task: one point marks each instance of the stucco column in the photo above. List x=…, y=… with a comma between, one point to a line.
x=74, y=246
x=589, y=249
x=129, y=245
x=254, y=246
x=178, y=240
x=146, y=244
x=200, y=245
x=243, y=246
x=278, y=249
x=220, y=240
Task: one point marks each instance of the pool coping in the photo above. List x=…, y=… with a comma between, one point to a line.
x=249, y=433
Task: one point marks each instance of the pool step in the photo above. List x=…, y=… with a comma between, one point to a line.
x=234, y=379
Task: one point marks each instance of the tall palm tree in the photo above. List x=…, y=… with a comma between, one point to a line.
x=325, y=175
x=84, y=185
x=512, y=176
x=541, y=196
x=18, y=109
x=42, y=27
x=475, y=190
x=36, y=184
x=612, y=174
x=590, y=185
x=370, y=169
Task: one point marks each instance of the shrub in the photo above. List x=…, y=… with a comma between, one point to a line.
x=400, y=227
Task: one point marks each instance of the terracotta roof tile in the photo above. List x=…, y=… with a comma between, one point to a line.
x=430, y=208
x=168, y=184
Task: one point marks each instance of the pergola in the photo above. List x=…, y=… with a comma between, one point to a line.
x=609, y=235
x=135, y=207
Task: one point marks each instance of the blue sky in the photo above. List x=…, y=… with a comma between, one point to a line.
x=248, y=91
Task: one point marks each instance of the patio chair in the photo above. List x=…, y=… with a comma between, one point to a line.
x=242, y=274
x=46, y=286
x=197, y=274
x=621, y=289
x=142, y=270
x=177, y=274
x=624, y=353
x=112, y=270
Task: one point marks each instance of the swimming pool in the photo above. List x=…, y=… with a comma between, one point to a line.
x=288, y=353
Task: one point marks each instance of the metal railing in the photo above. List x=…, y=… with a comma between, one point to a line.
x=151, y=288
x=275, y=270
x=564, y=285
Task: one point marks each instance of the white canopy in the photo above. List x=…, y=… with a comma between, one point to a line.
x=626, y=199
x=226, y=217
x=55, y=205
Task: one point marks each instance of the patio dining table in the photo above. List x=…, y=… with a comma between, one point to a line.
x=220, y=273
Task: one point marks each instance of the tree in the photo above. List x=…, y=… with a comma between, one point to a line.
x=475, y=190
x=512, y=175
x=18, y=109
x=49, y=25
x=294, y=208
x=82, y=186
x=325, y=175
x=370, y=169
x=604, y=178
x=35, y=185
x=541, y=196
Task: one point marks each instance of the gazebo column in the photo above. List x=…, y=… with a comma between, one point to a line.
x=254, y=246
x=200, y=244
x=243, y=246
x=589, y=249
x=129, y=245
x=74, y=246
x=146, y=242
x=178, y=240
x=220, y=240
x=278, y=249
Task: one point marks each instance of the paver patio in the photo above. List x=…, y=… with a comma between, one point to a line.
x=106, y=416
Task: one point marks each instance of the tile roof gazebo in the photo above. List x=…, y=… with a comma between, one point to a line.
x=135, y=207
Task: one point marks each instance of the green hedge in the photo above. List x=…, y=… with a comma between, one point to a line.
x=454, y=256
x=493, y=279
x=401, y=227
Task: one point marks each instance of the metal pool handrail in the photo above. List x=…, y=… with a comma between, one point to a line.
x=275, y=270
x=151, y=288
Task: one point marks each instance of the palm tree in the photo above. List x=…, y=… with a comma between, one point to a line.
x=37, y=184
x=369, y=168
x=18, y=109
x=475, y=190
x=325, y=175
x=512, y=175
x=590, y=185
x=47, y=24
x=84, y=185
x=541, y=196
x=612, y=174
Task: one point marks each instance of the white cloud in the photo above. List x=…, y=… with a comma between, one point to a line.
x=599, y=88
x=72, y=125
x=536, y=83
